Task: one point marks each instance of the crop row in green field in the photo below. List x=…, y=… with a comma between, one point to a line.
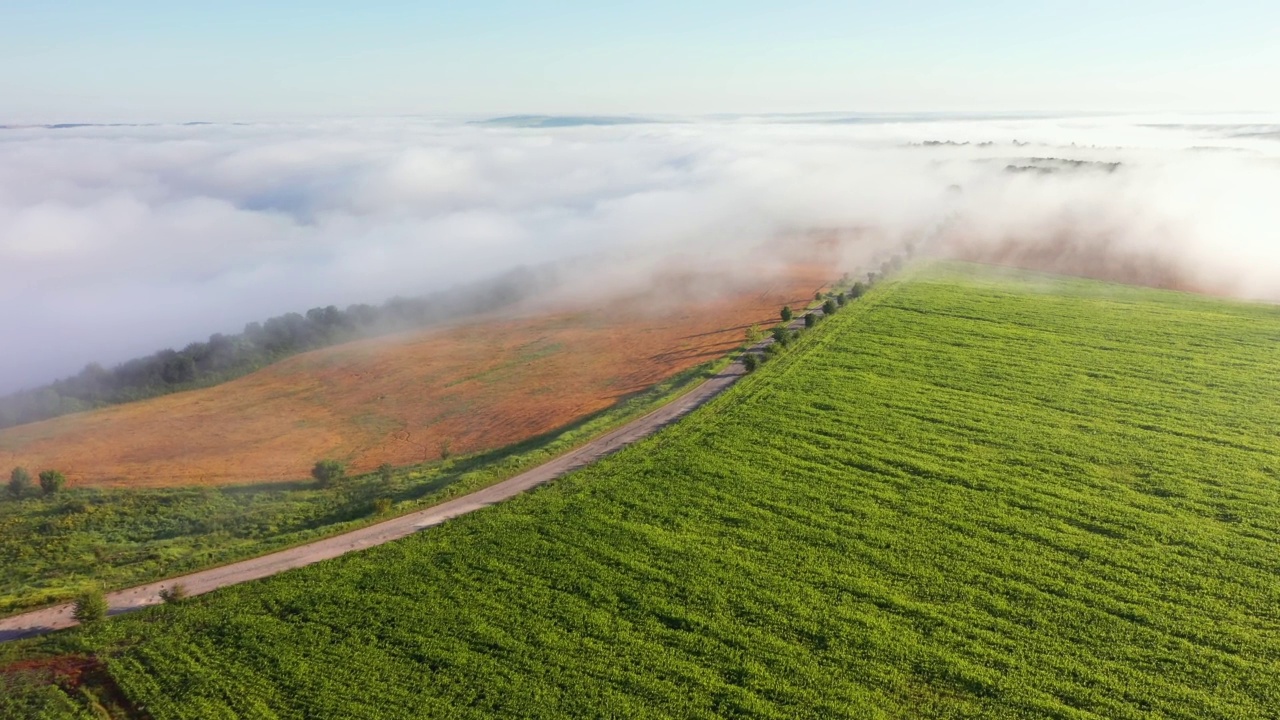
x=966, y=495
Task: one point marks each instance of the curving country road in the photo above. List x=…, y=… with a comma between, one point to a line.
x=58, y=617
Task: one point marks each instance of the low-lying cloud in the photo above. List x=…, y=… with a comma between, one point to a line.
x=116, y=241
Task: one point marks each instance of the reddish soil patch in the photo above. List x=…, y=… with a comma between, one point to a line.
x=481, y=385
x=70, y=672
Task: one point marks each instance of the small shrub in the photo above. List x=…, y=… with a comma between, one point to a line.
x=841, y=299
x=51, y=481
x=19, y=481
x=327, y=472
x=386, y=472
x=381, y=506
x=858, y=290
x=810, y=320
x=89, y=607
x=781, y=336
x=753, y=335
x=829, y=307
x=446, y=449
x=749, y=362
x=786, y=313
x=173, y=594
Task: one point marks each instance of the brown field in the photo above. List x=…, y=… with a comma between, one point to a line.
x=484, y=384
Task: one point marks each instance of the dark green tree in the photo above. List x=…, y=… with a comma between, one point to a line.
x=749, y=362
x=19, y=481
x=829, y=307
x=810, y=320
x=327, y=472
x=51, y=481
x=786, y=313
x=781, y=336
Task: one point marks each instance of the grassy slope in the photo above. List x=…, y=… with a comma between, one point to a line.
x=958, y=498
x=53, y=548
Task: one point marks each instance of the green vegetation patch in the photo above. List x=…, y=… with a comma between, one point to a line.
x=963, y=496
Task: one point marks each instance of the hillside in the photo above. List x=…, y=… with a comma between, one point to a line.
x=483, y=384
x=967, y=495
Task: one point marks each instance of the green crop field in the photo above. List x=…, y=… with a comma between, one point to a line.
x=966, y=495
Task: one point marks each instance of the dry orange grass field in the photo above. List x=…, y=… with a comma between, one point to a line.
x=483, y=384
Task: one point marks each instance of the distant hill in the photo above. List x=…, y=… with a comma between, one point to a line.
x=493, y=380
x=556, y=121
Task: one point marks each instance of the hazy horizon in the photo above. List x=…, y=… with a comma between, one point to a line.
x=117, y=241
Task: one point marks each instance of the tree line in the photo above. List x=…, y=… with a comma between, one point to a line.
x=226, y=357
x=832, y=301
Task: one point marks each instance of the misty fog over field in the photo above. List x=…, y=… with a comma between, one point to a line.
x=116, y=241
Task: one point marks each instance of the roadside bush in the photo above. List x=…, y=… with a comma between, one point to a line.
x=386, y=472
x=810, y=320
x=381, y=506
x=89, y=607
x=786, y=313
x=858, y=290
x=841, y=299
x=327, y=472
x=829, y=307
x=446, y=449
x=19, y=481
x=173, y=594
x=817, y=295
x=753, y=335
x=51, y=481
x=749, y=362
x=781, y=335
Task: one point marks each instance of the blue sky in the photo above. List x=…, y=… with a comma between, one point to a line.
x=135, y=59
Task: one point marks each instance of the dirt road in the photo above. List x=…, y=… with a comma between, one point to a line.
x=122, y=601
